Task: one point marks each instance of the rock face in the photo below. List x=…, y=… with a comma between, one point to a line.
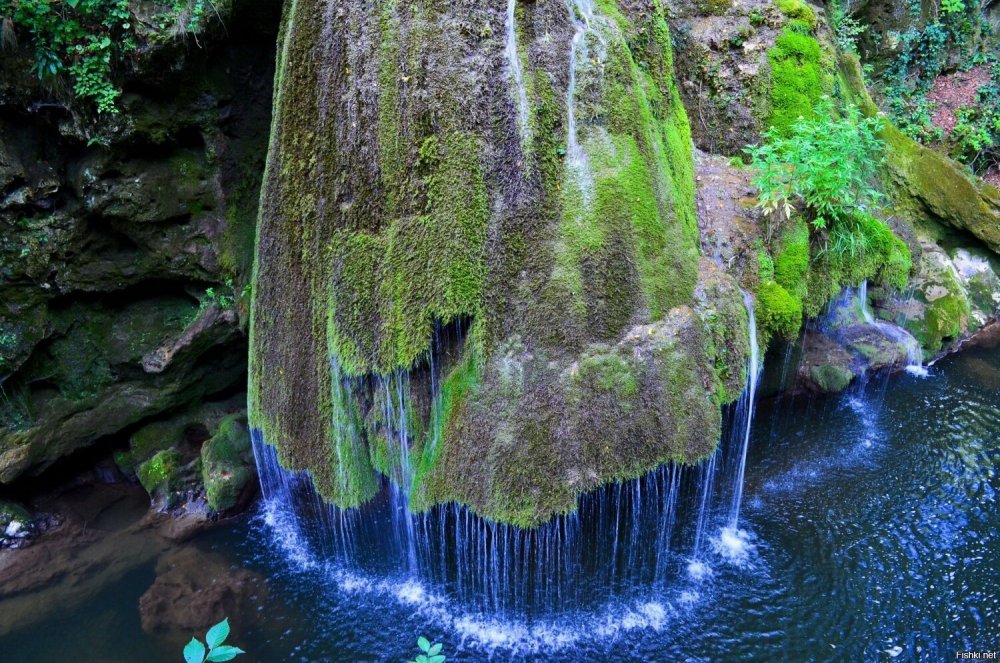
x=478, y=271
x=109, y=244
x=407, y=194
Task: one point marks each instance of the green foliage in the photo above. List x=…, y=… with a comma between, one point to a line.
x=952, y=6
x=824, y=172
x=796, y=79
x=923, y=53
x=848, y=29
x=212, y=650
x=975, y=139
x=185, y=15
x=79, y=37
x=228, y=298
x=871, y=249
x=431, y=652
x=86, y=39
x=828, y=164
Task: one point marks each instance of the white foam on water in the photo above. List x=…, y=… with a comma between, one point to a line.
x=733, y=544
x=917, y=371
x=516, y=636
x=698, y=569
x=689, y=598
x=287, y=536
x=411, y=593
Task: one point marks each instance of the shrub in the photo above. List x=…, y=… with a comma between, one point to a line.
x=828, y=164
x=86, y=39
x=79, y=37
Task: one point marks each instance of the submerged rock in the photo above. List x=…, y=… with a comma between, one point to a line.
x=194, y=590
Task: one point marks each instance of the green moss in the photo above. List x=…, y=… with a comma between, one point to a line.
x=831, y=379
x=430, y=482
x=798, y=11
x=154, y=437
x=226, y=463
x=391, y=288
x=639, y=148
x=11, y=511
x=780, y=313
x=792, y=262
x=359, y=260
x=160, y=474
x=715, y=7
x=944, y=318
x=880, y=256
x=797, y=81
x=607, y=373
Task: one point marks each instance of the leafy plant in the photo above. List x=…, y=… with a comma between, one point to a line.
x=86, y=39
x=212, y=650
x=431, y=652
x=81, y=38
x=827, y=164
x=952, y=6
x=848, y=31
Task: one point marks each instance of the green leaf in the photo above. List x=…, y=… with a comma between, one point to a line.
x=73, y=3
x=217, y=634
x=424, y=644
x=433, y=651
x=224, y=653
x=194, y=652
x=436, y=659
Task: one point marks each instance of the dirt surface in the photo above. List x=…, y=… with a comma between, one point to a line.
x=955, y=91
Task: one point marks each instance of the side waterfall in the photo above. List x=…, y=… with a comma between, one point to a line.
x=895, y=333
x=514, y=62
x=747, y=404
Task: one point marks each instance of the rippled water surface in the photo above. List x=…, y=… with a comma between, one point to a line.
x=869, y=531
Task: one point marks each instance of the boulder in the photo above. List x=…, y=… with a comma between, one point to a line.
x=194, y=590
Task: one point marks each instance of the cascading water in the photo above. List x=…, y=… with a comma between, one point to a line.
x=582, y=13
x=747, y=403
x=626, y=540
x=516, y=74
x=914, y=353
x=620, y=542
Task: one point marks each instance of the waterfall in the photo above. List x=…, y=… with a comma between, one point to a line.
x=914, y=353
x=582, y=13
x=514, y=62
x=620, y=542
x=749, y=396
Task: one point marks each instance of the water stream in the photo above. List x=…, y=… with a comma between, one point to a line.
x=895, y=333
x=516, y=74
x=582, y=13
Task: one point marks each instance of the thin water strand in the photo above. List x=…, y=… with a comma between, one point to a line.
x=516, y=74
